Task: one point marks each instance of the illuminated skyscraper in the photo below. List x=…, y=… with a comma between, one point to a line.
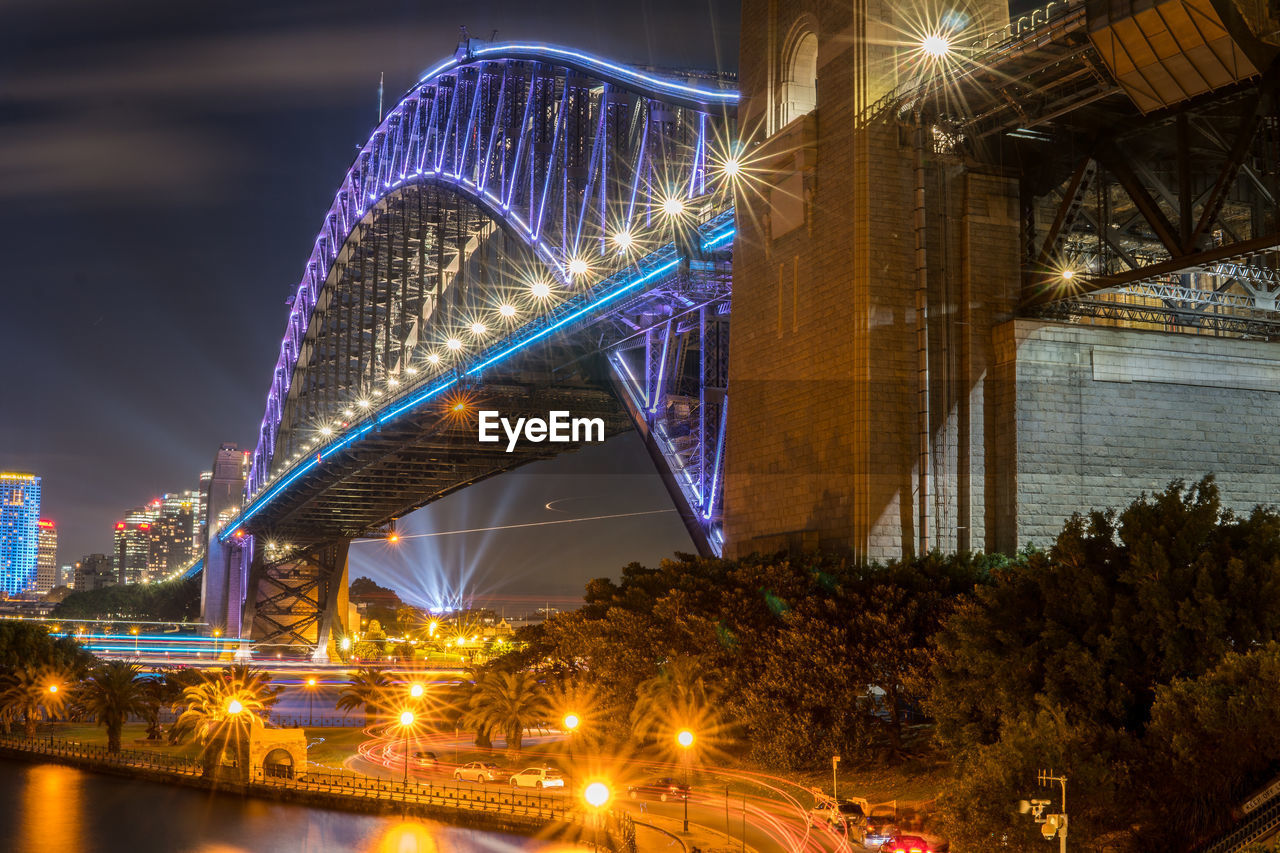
x=19, y=531
x=133, y=547
x=46, y=558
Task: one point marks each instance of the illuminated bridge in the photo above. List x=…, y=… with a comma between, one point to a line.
x=981, y=246
x=529, y=229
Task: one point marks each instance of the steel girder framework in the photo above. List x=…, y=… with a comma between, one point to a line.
x=519, y=207
x=1166, y=220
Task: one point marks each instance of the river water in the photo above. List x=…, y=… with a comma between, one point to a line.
x=48, y=808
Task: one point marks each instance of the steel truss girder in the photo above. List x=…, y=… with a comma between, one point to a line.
x=673, y=378
x=292, y=594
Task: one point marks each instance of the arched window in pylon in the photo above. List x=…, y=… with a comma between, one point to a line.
x=799, y=84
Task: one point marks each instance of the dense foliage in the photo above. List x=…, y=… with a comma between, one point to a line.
x=176, y=600
x=1138, y=657
x=777, y=652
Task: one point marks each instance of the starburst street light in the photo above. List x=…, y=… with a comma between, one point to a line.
x=936, y=45
x=406, y=721
x=673, y=206
x=577, y=267
x=623, y=240
x=478, y=328
x=454, y=344
x=596, y=794
x=507, y=311
x=433, y=358
x=540, y=289
x=685, y=739
x=416, y=691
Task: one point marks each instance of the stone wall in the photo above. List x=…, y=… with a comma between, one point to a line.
x=1097, y=415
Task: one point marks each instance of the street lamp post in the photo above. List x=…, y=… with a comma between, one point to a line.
x=835, y=793
x=216, y=634
x=311, y=696
x=134, y=631
x=596, y=794
x=685, y=740
x=406, y=720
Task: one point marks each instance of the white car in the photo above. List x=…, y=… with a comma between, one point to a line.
x=537, y=777
x=479, y=771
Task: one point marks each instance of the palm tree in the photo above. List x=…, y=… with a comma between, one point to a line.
x=509, y=702
x=110, y=694
x=678, y=695
x=370, y=689
x=221, y=710
x=26, y=691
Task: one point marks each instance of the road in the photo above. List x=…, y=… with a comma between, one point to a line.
x=774, y=818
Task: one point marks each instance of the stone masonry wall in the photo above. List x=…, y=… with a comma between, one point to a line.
x=1102, y=414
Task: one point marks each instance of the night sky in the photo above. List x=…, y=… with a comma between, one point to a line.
x=163, y=171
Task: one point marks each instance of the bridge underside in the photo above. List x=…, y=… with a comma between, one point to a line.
x=434, y=452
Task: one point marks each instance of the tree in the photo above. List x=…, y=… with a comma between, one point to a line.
x=680, y=695
x=369, y=689
x=220, y=710
x=509, y=702
x=1213, y=740
x=1060, y=660
x=111, y=693
x=28, y=691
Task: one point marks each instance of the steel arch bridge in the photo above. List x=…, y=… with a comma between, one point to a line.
x=531, y=228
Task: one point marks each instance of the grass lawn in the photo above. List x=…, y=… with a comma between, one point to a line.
x=132, y=736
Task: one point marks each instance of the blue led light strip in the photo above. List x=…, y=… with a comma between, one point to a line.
x=647, y=270
x=610, y=71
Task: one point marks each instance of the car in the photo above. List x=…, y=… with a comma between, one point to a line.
x=425, y=759
x=845, y=816
x=660, y=789
x=537, y=777
x=880, y=830
x=906, y=844
x=479, y=771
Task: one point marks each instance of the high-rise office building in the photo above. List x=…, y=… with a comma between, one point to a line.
x=67, y=576
x=46, y=558
x=94, y=572
x=19, y=531
x=133, y=547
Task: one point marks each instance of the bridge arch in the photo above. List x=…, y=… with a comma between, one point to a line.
x=530, y=224
x=567, y=152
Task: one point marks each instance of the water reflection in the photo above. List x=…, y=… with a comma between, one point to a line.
x=62, y=809
x=50, y=811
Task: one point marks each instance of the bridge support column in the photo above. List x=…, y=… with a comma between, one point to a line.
x=297, y=600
